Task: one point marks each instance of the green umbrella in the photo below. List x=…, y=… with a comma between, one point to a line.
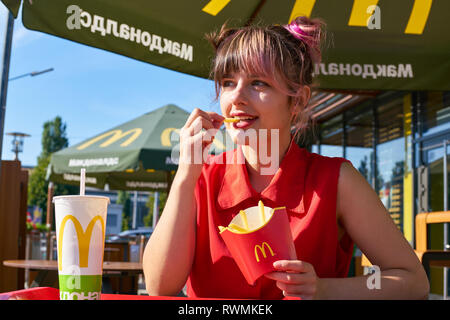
x=376, y=44
x=140, y=154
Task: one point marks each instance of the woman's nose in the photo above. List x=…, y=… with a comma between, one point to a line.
x=239, y=95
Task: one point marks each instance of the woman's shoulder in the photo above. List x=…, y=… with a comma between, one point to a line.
x=324, y=162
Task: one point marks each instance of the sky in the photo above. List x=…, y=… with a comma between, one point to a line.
x=92, y=90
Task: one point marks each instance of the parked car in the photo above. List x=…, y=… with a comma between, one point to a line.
x=127, y=235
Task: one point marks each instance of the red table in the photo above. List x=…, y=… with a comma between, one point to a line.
x=46, y=293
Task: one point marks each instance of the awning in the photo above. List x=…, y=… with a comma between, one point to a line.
x=375, y=44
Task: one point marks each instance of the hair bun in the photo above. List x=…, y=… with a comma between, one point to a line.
x=217, y=38
x=311, y=32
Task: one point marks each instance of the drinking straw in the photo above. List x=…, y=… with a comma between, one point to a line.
x=82, y=181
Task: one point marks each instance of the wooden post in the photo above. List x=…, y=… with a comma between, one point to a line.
x=49, y=220
x=11, y=202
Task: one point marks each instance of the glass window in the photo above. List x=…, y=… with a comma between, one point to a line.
x=391, y=158
x=359, y=146
x=111, y=221
x=331, y=137
x=436, y=112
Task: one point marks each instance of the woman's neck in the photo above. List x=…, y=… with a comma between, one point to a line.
x=262, y=164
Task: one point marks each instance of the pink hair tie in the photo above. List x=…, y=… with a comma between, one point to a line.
x=297, y=32
x=306, y=38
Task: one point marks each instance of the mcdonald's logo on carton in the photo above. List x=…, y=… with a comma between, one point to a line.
x=262, y=249
x=256, y=249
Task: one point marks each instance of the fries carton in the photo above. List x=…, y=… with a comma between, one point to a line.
x=257, y=237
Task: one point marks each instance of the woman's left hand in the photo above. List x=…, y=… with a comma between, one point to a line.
x=295, y=278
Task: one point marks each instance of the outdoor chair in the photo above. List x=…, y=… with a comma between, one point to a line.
x=436, y=258
x=429, y=258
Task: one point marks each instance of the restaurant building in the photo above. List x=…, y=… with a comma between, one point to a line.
x=399, y=141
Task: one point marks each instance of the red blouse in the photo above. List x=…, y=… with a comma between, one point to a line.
x=305, y=183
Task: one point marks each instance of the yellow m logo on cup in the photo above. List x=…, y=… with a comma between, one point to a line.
x=114, y=135
x=263, y=250
x=84, y=238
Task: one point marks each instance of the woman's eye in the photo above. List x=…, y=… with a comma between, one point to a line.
x=259, y=83
x=227, y=83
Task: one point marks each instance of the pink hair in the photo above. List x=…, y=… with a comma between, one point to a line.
x=284, y=53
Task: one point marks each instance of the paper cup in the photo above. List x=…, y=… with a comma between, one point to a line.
x=257, y=250
x=80, y=233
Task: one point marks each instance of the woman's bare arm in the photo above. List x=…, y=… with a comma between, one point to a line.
x=169, y=253
x=368, y=223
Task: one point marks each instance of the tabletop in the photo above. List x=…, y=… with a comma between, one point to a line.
x=53, y=265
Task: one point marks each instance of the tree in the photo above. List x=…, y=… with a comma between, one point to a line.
x=54, y=138
x=363, y=169
x=123, y=198
x=148, y=219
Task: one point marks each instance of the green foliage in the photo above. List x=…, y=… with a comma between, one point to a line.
x=148, y=219
x=37, y=186
x=36, y=226
x=123, y=198
x=54, y=138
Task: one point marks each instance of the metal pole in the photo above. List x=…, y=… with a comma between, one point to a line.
x=155, y=209
x=445, y=173
x=133, y=225
x=374, y=159
x=4, y=74
x=31, y=74
x=344, y=135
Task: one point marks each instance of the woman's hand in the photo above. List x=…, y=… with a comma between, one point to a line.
x=195, y=138
x=295, y=278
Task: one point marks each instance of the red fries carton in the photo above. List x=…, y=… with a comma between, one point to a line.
x=256, y=238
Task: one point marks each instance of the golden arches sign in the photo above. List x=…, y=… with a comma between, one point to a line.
x=262, y=250
x=165, y=136
x=113, y=135
x=84, y=238
x=358, y=17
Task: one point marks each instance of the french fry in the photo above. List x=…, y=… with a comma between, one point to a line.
x=236, y=227
x=221, y=228
x=261, y=212
x=231, y=120
x=244, y=218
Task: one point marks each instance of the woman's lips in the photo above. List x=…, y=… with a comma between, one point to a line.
x=244, y=123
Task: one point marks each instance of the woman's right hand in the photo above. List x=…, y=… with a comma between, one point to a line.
x=195, y=142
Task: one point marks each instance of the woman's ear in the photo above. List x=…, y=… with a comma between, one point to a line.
x=301, y=101
x=306, y=95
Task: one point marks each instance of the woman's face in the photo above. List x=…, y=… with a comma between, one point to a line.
x=257, y=102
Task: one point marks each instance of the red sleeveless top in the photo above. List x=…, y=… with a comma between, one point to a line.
x=305, y=183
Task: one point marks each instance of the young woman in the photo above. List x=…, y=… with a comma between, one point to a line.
x=263, y=76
